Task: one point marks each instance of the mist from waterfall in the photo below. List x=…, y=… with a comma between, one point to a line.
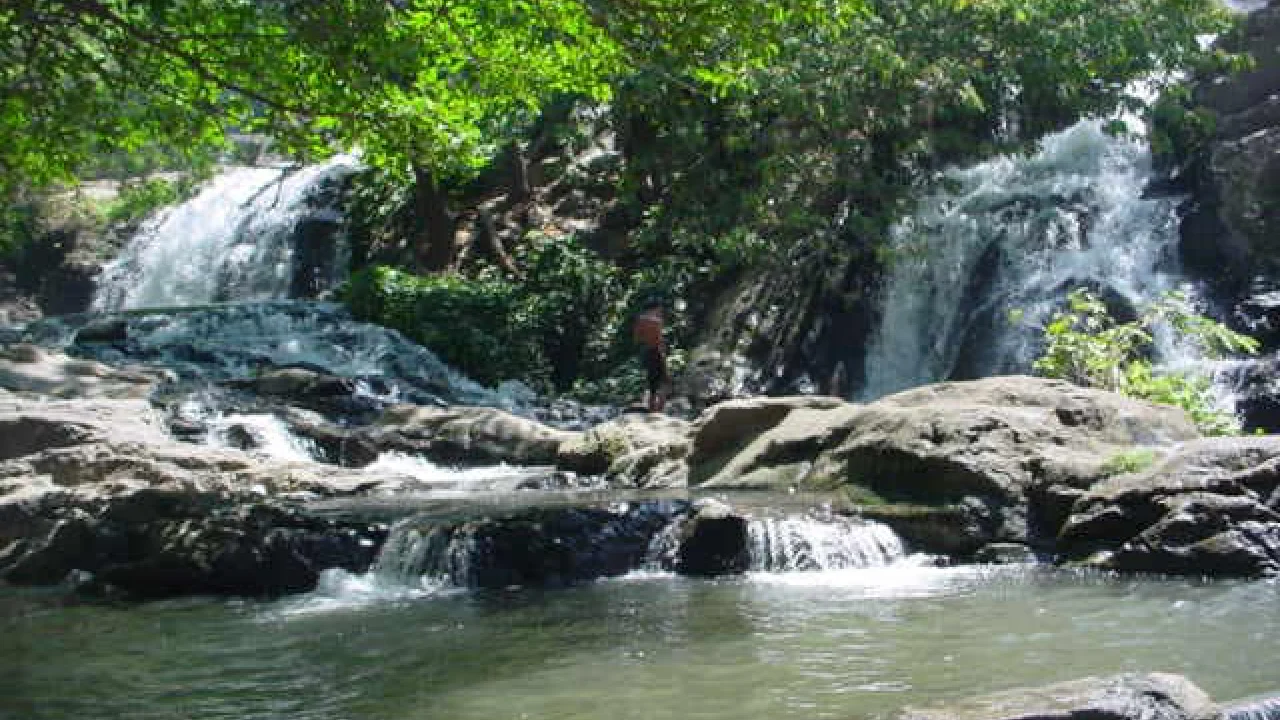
x=991, y=252
x=232, y=241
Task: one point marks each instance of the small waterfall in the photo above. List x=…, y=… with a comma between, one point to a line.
x=804, y=544
x=262, y=433
x=1011, y=236
x=1262, y=708
x=235, y=240
x=236, y=341
x=418, y=556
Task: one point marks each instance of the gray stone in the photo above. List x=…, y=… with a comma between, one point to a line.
x=468, y=434
x=1154, y=696
x=1201, y=511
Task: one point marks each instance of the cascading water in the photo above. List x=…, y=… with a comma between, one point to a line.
x=1010, y=237
x=805, y=543
x=232, y=241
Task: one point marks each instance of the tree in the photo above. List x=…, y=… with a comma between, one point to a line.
x=429, y=88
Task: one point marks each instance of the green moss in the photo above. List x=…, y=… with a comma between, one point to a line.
x=1130, y=461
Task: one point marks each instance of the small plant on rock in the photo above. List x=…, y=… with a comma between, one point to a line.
x=1087, y=346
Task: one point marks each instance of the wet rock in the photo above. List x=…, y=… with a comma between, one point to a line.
x=1202, y=511
x=1258, y=312
x=1154, y=696
x=955, y=530
x=104, y=331
x=313, y=389
x=541, y=547
x=34, y=371
x=712, y=541
x=1255, y=385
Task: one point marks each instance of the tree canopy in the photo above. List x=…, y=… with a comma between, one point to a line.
x=426, y=81
x=435, y=82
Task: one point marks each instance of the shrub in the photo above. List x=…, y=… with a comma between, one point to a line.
x=475, y=325
x=1086, y=346
x=139, y=199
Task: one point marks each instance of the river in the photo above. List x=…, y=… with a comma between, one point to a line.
x=835, y=644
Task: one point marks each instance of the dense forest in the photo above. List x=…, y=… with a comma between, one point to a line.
x=757, y=159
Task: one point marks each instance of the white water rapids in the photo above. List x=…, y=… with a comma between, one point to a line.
x=989, y=255
x=232, y=241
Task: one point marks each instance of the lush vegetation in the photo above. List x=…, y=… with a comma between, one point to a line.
x=780, y=138
x=1087, y=346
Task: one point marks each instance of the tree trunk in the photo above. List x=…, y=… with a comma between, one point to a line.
x=433, y=227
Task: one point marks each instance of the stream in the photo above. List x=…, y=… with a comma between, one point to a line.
x=850, y=644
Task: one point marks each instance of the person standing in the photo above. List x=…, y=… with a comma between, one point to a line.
x=646, y=331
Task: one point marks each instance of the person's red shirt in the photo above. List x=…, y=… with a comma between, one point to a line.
x=647, y=330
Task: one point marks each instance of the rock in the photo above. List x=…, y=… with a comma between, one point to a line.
x=1230, y=228
x=104, y=331
x=335, y=445
x=725, y=428
x=1005, y=554
x=30, y=370
x=643, y=450
x=255, y=550
x=96, y=486
x=312, y=389
x=954, y=530
x=469, y=435
x=1255, y=385
x=777, y=458
x=606, y=447
x=315, y=250
x=1202, y=511
x=539, y=547
x=712, y=541
x=1154, y=696
x=1257, y=313
x=712, y=377
x=990, y=446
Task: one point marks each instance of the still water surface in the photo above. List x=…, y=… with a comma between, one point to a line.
x=836, y=644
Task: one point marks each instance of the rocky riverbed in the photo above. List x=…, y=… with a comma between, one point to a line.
x=100, y=489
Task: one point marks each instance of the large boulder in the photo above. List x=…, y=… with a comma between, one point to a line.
x=468, y=435
x=1153, y=696
x=1211, y=508
x=988, y=450
x=766, y=444
x=98, y=487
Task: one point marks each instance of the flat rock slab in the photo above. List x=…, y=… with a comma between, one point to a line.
x=34, y=371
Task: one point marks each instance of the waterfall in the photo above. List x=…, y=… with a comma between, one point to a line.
x=417, y=556
x=1263, y=708
x=988, y=256
x=804, y=543
x=237, y=341
x=235, y=240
